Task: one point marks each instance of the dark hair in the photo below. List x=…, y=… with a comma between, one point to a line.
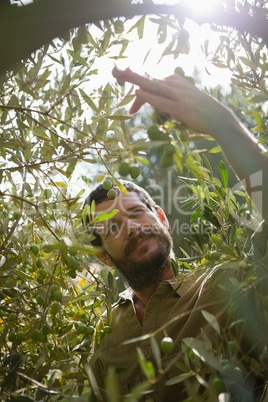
x=99, y=194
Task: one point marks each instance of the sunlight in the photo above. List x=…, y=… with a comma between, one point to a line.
x=201, y=8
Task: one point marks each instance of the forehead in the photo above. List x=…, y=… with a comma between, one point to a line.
x=123, y=203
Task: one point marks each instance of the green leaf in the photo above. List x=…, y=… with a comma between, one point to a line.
x=179, y=378
x=121, y=186
x=211, y=319
x=195, y=214
x=60, y=184
x=137, y=339
x=198, y=348
x=142, y=160
x=215, y=150
x=103, y=216
x=248, y=63
x=259, y=119
x=86, y=214
x=112, y=386
x=139, y=26
x=137, y=392
x=88, y=100
x=23, y=274
x=146, y=366
x=156, y=352
x=77, y=58
x=101, y=177
x=224, y=174
x=119, y=117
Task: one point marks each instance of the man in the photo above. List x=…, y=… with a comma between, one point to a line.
x=136, y=240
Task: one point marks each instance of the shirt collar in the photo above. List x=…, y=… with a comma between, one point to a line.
x=179, y=284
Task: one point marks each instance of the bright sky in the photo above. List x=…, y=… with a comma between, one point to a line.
x=137, y=52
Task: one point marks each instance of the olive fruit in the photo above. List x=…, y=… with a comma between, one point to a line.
x=73, y=251
x=166, y=161
x=90, y=330
x=169, y=149
x=72, y=262
x=218, y=385
x=35, y=249
x=155, y=134
x=55, y=308
x=11, y=317
x=72, y=273
x=124, y=169
x=43, y=273
x=54, y=287
x=134, y=172
x=167, y=345
x=107, y=329
x=232, y=345
x=57, y=295
x=12, y=336
x=20, y=336
x=112, y=194
x=107, y=184
x=81, y=328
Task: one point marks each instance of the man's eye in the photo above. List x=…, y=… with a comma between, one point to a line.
x=137, y=211
x=112, y=229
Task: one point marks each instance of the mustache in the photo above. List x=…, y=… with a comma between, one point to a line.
x=133, y=241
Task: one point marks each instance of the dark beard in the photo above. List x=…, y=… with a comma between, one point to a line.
x=140, y=275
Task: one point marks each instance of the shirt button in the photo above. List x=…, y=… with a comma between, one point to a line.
x=131, y=312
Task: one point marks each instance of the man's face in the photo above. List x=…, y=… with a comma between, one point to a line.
x=136, y=240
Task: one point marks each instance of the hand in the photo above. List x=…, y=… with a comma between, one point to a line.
x=204, y=114
x=180, y=99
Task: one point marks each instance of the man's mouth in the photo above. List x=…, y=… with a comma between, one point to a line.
x=136, y=243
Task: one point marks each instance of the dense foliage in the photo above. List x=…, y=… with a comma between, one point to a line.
x=60, y=131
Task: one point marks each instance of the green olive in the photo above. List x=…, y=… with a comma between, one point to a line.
x=72, y=263
x=35, y=249
x=112, y=194
x=107, y=184
x=124, y=169
x=134, y=172
x=90, y=330
x=81, y=328
x=107, y=329
x=218, y=385
x=12, y=336
x=169, y=149
x=167, y=345
x=57, y=295
x=167, y=161
x=11, y=317
x=155, y=134
x=54, y=287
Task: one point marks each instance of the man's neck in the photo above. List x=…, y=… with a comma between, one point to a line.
x=144, y=295
x=141, y=298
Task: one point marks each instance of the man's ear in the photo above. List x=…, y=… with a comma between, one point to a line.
x=104, y=257
x=162, y=216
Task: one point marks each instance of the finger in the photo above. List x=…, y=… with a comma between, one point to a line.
x=147, y=83
x=137, y=104
x=158, y=102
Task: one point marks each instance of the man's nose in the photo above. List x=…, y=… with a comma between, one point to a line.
x=133, y=228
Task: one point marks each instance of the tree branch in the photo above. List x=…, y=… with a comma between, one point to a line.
x=25, y=29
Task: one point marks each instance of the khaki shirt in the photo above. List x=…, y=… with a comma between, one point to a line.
x=176, y=305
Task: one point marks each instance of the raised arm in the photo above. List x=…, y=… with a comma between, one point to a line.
x=204, y=114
